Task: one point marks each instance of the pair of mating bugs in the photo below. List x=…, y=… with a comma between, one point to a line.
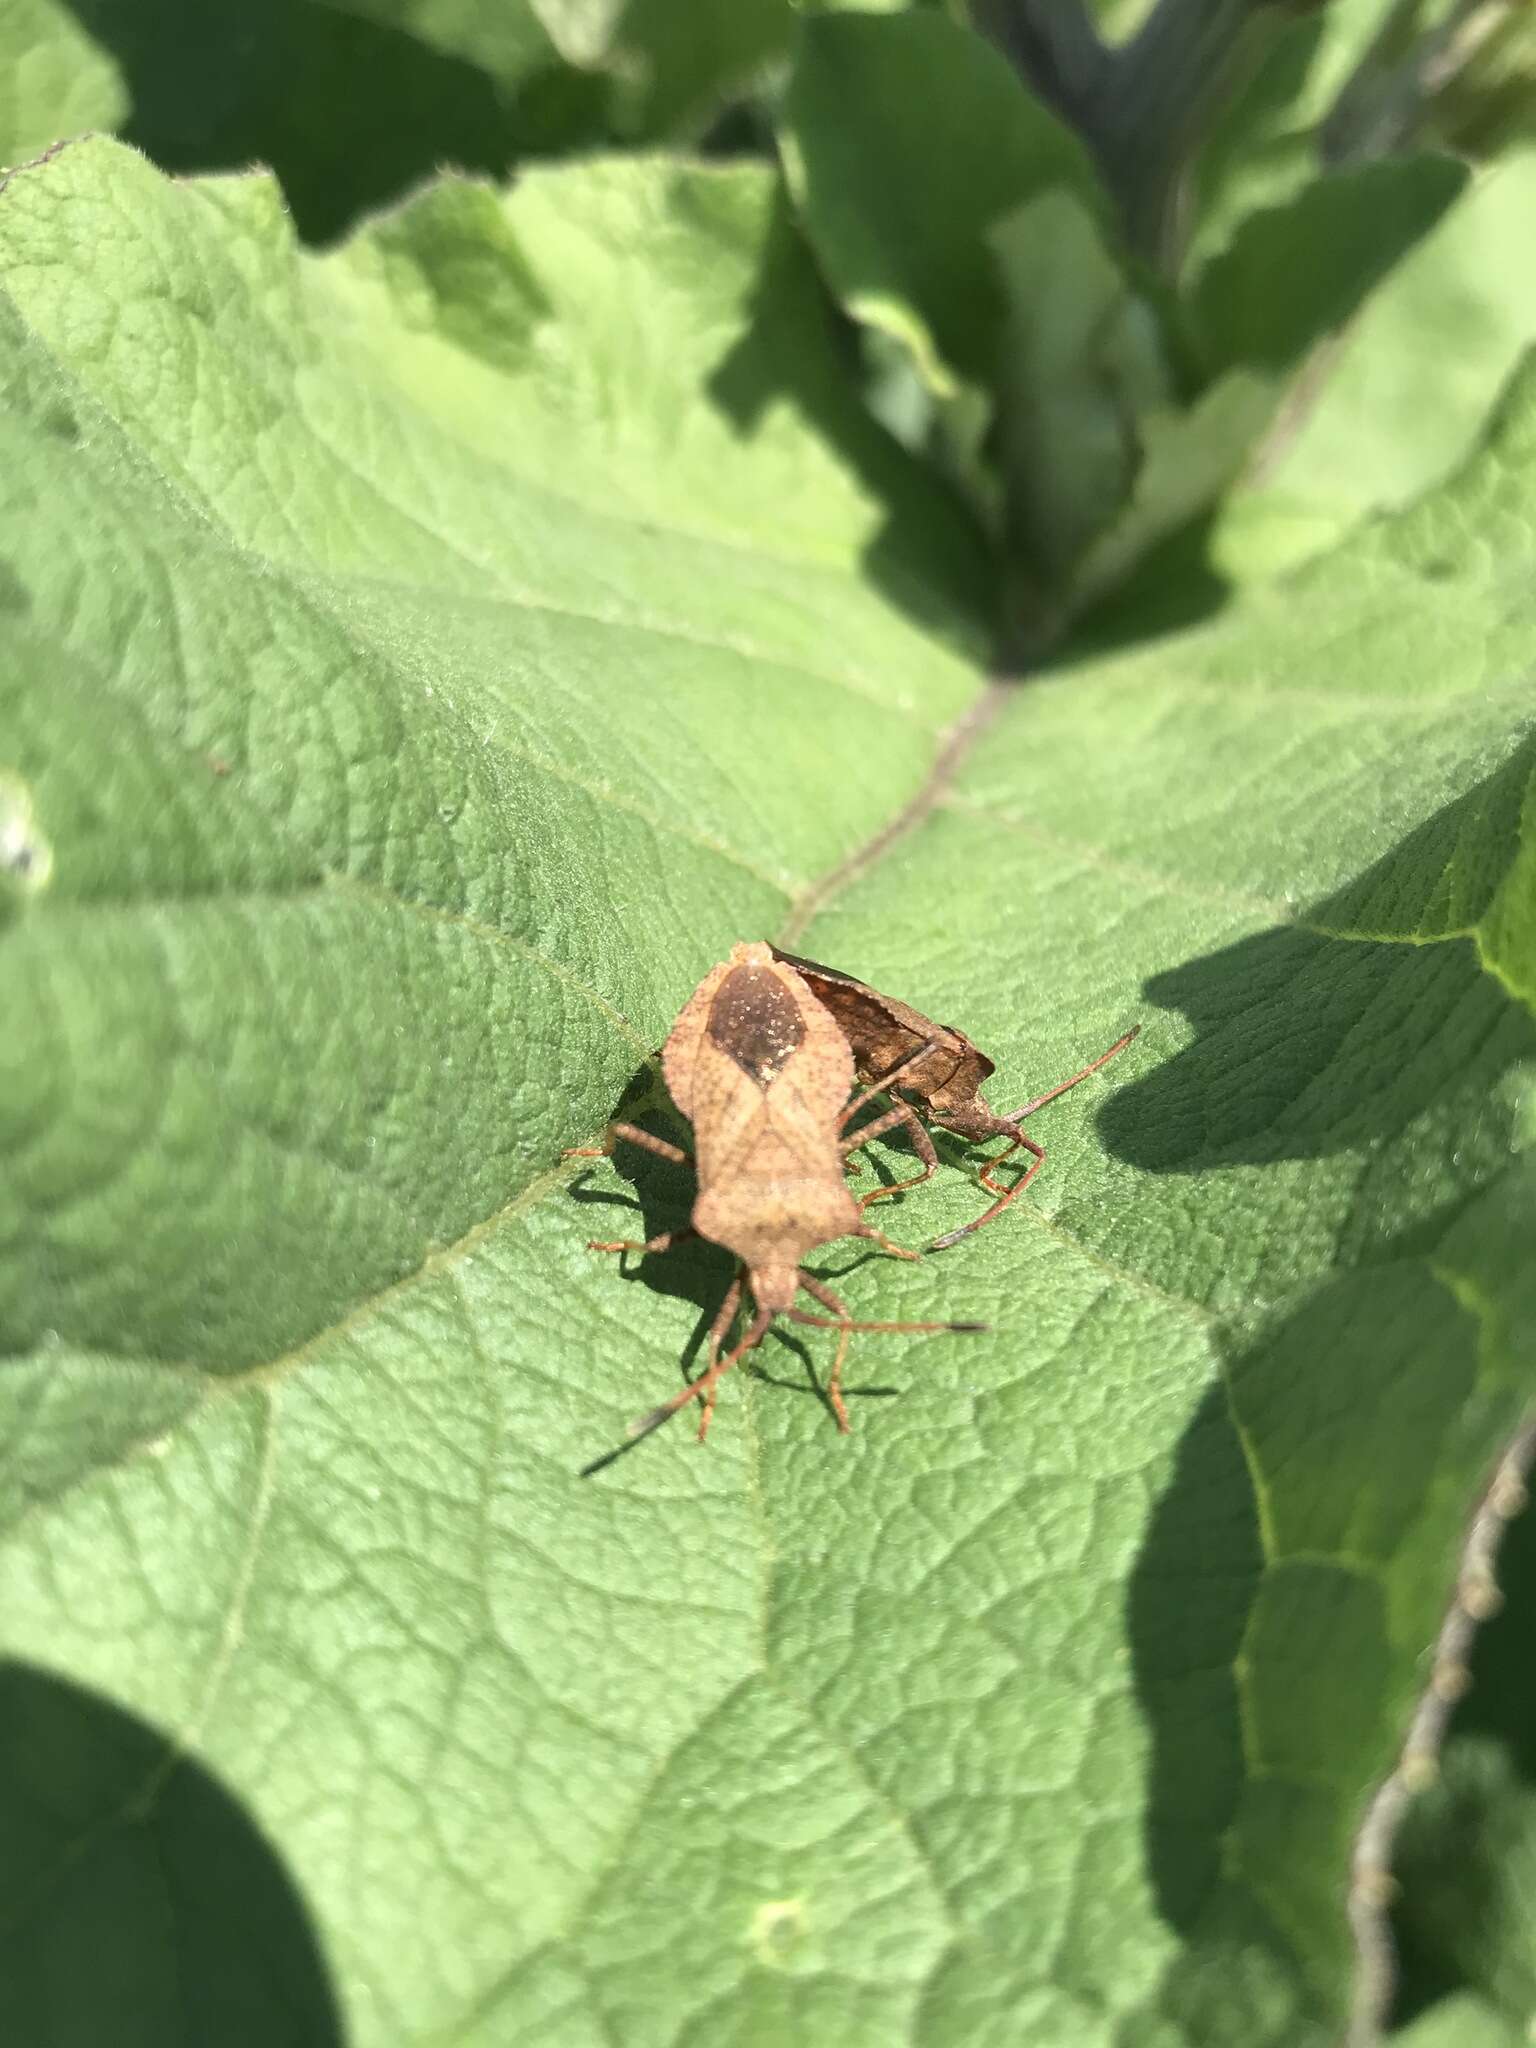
x=762, y=1061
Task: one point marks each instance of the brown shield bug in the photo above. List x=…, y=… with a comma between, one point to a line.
x=763, y=1073
x=894, y=1046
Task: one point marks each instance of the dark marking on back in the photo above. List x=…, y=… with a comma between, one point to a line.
x=757, y=1021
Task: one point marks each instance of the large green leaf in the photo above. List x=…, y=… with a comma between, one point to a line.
x=422, y=662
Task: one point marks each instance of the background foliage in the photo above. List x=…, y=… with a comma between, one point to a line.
x=441, y=612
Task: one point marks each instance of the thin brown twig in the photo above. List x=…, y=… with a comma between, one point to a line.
x=1474, y=1598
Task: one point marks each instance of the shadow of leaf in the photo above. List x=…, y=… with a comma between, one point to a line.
x=1276, y=1649
x=1296, y=1564
x=217, y=85
x=139, y=1903
x=1306, y=1045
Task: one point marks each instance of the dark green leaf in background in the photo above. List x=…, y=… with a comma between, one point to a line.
x=1296, y=272
x=1269, y=141
x=353, y=102
x=906, y=141
x=1461, y=2022
x=1466, y=1866
x=348, y=107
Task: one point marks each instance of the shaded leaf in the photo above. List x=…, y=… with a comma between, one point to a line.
x=1296, y=272
x=672, y=64
x=350, y=105
x=906, y=140
x=507, y=40
x=1266, y=143
x=666, y=61
x=1103, y=458
x=163, y=1847
x=1081, y=362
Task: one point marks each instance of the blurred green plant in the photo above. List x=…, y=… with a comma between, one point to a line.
x=1144, y=229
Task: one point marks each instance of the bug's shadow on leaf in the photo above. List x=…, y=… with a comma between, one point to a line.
x=652, y=1196
x=141, y=1899
x=812, y=1379
x=656, y=1198
x=891, y=1159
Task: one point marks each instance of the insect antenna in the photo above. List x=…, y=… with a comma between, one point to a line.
x=800, y=1315
x=1015, y=1116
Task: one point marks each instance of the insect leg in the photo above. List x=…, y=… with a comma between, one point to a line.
x=633, y=1135
x=664, y=1243
x=997, y=1158
x=703, y=1387
x=898, y=1113
x=885, y=1081
x=718, y=1330
x=1004, y=1195
x=818, y=1291
x=822, y=1293
x=886, y=1244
